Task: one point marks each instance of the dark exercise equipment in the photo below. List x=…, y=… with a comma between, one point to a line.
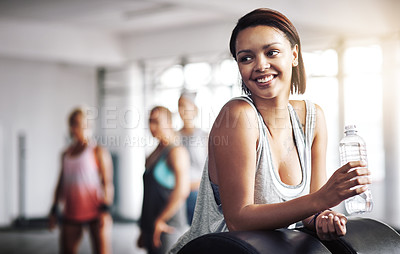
x=363, y=236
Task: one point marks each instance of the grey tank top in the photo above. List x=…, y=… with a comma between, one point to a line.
x=268, y=189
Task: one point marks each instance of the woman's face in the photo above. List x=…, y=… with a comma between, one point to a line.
x=265, y=59
x=187, y=110
x=78, y=127
x=159, y=124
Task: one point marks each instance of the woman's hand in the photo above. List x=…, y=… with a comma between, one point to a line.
x=140, y=241
x=349, y=180
x=105, y=219
x=52, y=221
x=160, y=227
x=330, y=225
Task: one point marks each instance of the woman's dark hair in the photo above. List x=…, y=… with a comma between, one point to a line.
x=160, y=110
x=74, y=114
x=272, y=18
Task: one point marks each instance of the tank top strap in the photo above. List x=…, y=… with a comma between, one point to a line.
x=310, y=122
x=260, y=122
x=162, y=156
x=166, y=151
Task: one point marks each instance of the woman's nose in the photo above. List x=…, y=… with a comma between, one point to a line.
x=262, y=64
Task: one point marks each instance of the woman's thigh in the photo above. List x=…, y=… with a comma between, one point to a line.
x=71, y=235
x=100, y=234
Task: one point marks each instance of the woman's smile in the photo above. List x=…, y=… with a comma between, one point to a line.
x=265, y=80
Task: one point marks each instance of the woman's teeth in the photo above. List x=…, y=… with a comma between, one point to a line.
x=265, y=79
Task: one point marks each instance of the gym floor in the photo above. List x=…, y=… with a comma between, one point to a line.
x=36, y=240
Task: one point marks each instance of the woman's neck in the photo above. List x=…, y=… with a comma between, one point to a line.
x=77, y=147
x=274, y=112
x=188, y=129
x=79, y=142
x=167, y=140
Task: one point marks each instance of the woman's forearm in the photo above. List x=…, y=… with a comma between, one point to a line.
x=273, y=216
x=176, y=200
x=179, y=161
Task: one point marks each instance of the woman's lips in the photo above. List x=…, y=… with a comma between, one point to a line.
x=265, y=80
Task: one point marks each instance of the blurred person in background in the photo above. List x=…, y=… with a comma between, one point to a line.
x=166, y=187
x=85, y=188
x=195, y=140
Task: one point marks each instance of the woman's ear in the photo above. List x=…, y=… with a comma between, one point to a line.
x=295, y=53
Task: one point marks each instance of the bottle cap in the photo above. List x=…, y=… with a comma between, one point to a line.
x=350, y=127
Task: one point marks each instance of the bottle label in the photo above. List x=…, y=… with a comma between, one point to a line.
x=352, y=152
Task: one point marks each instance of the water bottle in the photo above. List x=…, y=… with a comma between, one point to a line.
x=352, y=148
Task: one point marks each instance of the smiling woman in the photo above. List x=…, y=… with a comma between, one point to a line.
x=266, y=50
x=271, y=173
x=286, y=30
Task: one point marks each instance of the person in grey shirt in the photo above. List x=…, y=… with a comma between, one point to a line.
x=195, y=140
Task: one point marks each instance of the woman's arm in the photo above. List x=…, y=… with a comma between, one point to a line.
x=179, y=161
x=318, y=159
x=328, y=224
x=236, y=165
x=105, y=165
x=57, y=193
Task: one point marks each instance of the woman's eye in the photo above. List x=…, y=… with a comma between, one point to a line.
x=245, y=59
x=272, y=53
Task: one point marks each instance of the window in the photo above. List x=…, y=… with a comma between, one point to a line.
x=363, y=101
x=172, y=77
x=215, y=83
x=322, y=89
x=197, y=74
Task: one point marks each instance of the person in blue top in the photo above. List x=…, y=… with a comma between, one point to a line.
x=166, y=187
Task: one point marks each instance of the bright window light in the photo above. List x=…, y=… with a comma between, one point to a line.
x=210, y=102
x=197, y=74
x=363, y=101
x=324, y=92
x=322, y=89
x=321, y=63
x=227, y=73
x=363, y=60
x=172, y=77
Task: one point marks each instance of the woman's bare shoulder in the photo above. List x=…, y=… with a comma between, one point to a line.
x=300, y=105
x=235, y=112
x=177, y=150
x=66, y=151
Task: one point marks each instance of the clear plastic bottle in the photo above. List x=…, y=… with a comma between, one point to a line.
x=352, y=148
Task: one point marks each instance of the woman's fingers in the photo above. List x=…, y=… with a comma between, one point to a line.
x=349, y=180
x=356, y=178
x=161, y=227
x=52, y=222
x=340, y=225
x=322, y=227
x=331, y=225
x=359, y=172
x=350, y=165
x=157, y=238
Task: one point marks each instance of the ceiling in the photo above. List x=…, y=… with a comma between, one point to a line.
x=150, y=16
x=116, y=32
